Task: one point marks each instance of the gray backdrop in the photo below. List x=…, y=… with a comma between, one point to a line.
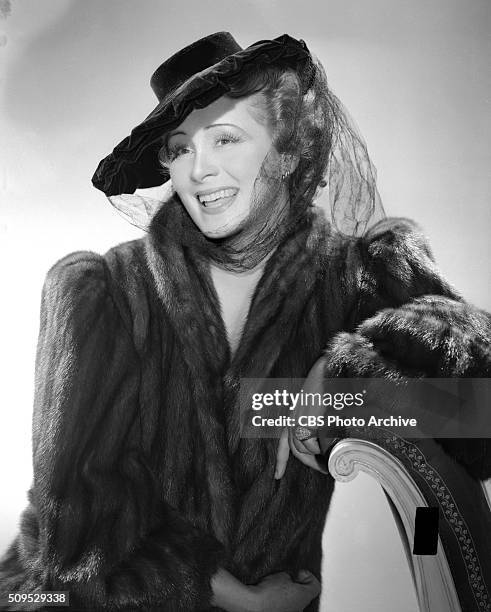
x=414, y=74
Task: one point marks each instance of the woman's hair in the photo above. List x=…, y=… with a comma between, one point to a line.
x=314, y=129
x=296, y=120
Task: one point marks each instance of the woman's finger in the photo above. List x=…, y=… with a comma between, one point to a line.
x=317, y=463
x=282, y=454
x=306, y=577
x=308, y=445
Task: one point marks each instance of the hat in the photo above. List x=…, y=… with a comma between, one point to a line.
x=190, y=79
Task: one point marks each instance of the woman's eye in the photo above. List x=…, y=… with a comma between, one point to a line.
x=177, y=152
x=170, y=154
x=226, y=138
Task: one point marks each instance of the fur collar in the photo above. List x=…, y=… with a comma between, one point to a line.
x=185, y=287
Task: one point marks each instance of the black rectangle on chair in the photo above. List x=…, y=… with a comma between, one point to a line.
x=426, y=531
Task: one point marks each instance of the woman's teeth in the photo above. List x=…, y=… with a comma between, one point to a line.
x=211, y=198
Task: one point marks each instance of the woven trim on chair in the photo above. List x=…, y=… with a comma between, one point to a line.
x=450, y=511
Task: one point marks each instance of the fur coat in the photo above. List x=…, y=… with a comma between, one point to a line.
x=142, y=484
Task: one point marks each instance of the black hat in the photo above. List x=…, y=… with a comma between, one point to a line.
x=192, y=78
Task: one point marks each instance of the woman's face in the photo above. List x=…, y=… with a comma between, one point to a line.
x=214, y=159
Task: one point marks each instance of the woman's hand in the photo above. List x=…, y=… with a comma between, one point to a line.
x=279, y=593
x=306, y=450
x=275, y=593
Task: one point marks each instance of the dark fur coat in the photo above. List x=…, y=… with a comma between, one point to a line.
x=142, y=485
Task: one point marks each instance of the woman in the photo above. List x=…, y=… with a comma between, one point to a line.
x=145, y=496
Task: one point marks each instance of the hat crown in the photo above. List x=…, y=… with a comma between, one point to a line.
x=194, y=58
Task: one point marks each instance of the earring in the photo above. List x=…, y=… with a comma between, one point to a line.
x=286, y=166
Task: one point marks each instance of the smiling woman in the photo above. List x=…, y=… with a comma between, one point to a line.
x=214, y=162
x=145, y=494
x=243, y=143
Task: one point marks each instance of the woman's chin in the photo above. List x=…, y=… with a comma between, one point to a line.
x=218, y=233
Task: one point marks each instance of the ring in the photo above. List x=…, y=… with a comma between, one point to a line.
x=303, y=433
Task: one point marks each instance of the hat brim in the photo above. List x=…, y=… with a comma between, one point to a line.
x=134, y=164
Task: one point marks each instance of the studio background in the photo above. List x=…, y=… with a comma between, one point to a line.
x=74, y=75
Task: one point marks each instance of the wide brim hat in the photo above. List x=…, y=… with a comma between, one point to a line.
x=192, y=78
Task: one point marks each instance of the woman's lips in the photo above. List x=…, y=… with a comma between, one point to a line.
x=218, y=206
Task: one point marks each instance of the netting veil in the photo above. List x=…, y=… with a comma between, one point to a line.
x=318, y=159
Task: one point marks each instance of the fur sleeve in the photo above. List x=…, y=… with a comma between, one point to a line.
x=412, y=323
x=396, y=266
x=98, y=525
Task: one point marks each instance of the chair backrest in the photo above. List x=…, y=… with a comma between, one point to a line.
x=419, y=474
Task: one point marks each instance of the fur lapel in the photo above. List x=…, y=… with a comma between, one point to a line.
x=192, y=309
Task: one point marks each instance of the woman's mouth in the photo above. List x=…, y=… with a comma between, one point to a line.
x=217, y=201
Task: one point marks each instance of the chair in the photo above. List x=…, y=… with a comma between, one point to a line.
x=419, y=474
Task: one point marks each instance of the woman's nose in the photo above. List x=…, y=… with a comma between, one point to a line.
x=204, y=164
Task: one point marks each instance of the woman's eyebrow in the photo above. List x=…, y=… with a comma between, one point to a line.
x=222, y=124
x=212, y=125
